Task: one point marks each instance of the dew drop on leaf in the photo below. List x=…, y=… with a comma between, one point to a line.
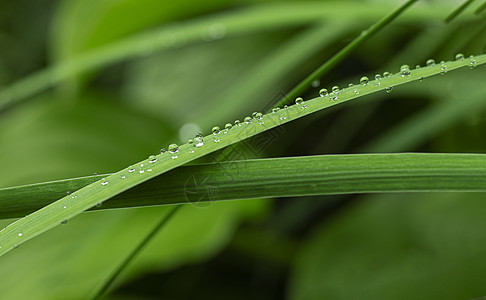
x=364, y=80
x=335, y=90
x=405, y=70
x=216, y=130
x=388, y=89
x=459, y=56
x=228, y=126
x=104, y=182
x=247, y=120
x=430, y=62
x=152, y=159
x=332, y=96
x=323, y=92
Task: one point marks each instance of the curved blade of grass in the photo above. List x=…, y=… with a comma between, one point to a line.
x=480, y=8
x=338, y=57
x=266, y=178
x=248, y=20
x=458, y=10
x=107, y=284
x=97, y=192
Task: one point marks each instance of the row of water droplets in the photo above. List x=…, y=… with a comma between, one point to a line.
x=217, y=132
x=258, y=117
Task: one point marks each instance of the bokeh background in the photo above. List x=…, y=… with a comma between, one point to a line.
x=382, y=246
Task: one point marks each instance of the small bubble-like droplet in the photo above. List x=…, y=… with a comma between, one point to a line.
x=323, y=92
x=190, y=141
x=68, y=192
x=417, y=67
x=405, y=70
x=388, y=89
x=216, y=130
x=74, y=196
x=162, y=151
x=95, y=174
x=300, y=101
x=377, y=77
x=173, y=148
x=459, y=56
x=104, y=182
x=131, y=170
x=443, y=68
x=247, y=120
x=275, y=110
x=333, y=96
x=198, y=141
x=364, y=80
x=430, y=62
x=237, y=123
x=152, y=159
x=386, y=74
x=335, y=90
x=228, y=126
x=20, y=234
x=472, y=62
x=99, y=204
x=421, y=79
x=123, y=177
x=64, y=222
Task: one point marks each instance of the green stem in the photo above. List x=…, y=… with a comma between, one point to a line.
x=458, y=10
x=338, y=57
x=124, y=264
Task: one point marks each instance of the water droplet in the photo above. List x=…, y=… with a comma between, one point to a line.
x=430, y=62
x=364, y=80
x=99, y=204
x=417, y=67
x=459, y=56
x=356, y=92
x=228, y=126
x=64, y=222
x=150, y=170
x=152, y=159
x=247, y=120
x=275, y=110
x=64, y=206
x=377, y=80
x=198, y=141
x=131, y=170
x=350, y=85
x=123, y=177
x=333, y=96
x=472, y=62
x=173, y=149
x=443, y=68
x=141, y=171
x=386, y=74
x=300, y=101
x=74, y=196
x=104, y=182
x=95, y=174
x=323, y=92
x=68, y=192
x=421, y=79
x=388, y=89
x=237, y=123
x=190, y=141
x=335, y=89
x=405, y=70
x=216, y=130
x=162, y=151
x=316, y=83
x=21, y=234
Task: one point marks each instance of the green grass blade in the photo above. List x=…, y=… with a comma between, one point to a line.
x=338, y=57
x=458, y=10
x=318, y=175
x=481, y=8
x=97, y=192
x=110, y=280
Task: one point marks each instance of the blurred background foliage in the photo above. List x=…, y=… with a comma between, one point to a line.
x=400, y=246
